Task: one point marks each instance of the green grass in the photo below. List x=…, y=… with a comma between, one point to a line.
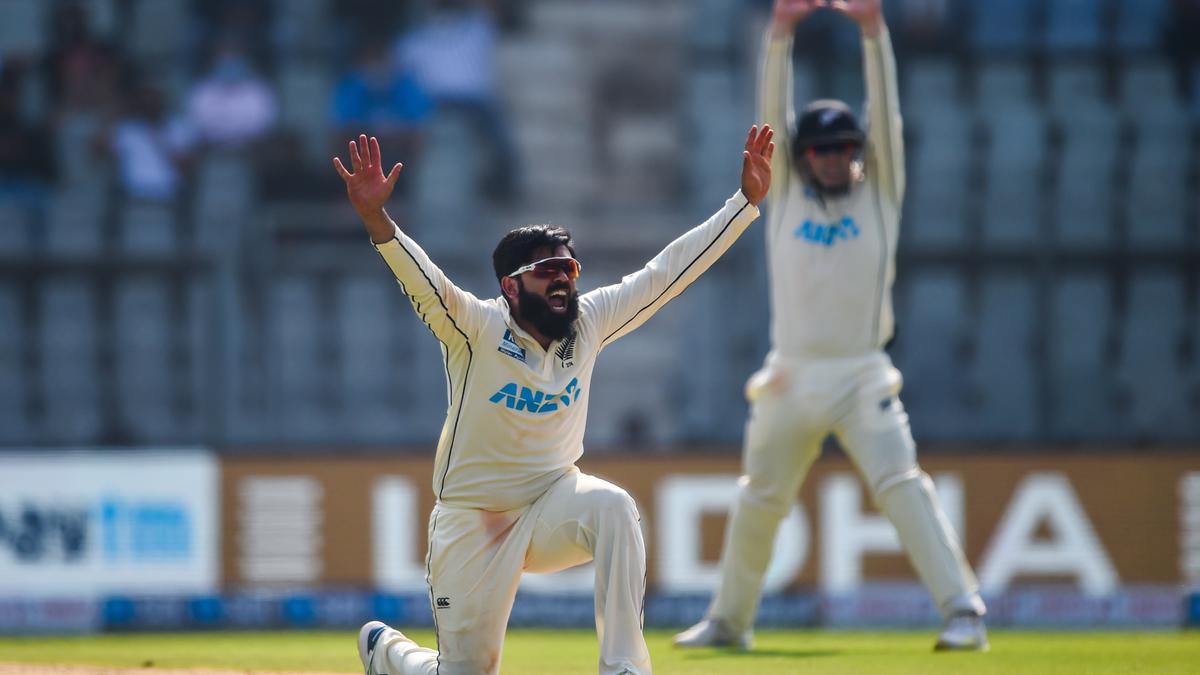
x=533, y=652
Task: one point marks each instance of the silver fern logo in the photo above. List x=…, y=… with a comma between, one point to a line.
x=566, y=352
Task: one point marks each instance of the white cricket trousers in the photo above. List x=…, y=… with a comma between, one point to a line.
x=475, y=563
x=794, y=406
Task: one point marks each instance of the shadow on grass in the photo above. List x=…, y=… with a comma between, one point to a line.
x=762, y=653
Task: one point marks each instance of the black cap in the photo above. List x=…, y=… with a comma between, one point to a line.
x=827, y=121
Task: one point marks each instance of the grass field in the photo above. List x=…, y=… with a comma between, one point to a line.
x=531, y=652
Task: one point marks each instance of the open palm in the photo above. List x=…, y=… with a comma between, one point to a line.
x=861, y=11
x=367, y=187
x=756, y=163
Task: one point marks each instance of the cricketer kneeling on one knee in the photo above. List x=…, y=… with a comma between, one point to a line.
x=519, y=371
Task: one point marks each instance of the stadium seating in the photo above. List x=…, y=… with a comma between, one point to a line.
x=22, y=28
x=225, y=195
x=1140, y=23
x=714, y=25
x=1013, y=162
x=939, y=126
x=1154, y=211
x=148, y=229
x=1002, y=370
x=1074, y=24
x=196, y=387
x=370, y=375
x=718, y=114
x=303, y=89
x=1013, y=166
x=146, y=374
x=75, y=225
x=71, y=379
x=445, y=189
x=929, y=351
x=300, y=359
x=1148, y=95
x=1084, y=202
x=1001, y=24
x=158, y=27
x=1082, y=398
x=1052, y=130
x=938, y=199
x=15, y=223
x=1150, y=367
x=14, y=387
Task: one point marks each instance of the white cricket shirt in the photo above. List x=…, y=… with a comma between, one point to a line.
x=832, y=261
x=517, y=412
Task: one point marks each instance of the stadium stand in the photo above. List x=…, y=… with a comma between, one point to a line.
x=1049, y=240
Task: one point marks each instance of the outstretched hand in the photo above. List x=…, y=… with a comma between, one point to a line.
x=868, y=14
x=756, y=163
x=788, y=13
x=367, y=187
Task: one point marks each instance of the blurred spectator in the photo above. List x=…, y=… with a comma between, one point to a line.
x=26, y=148
x=82, y=71
x=250, y=23
x=453, y=55
x=233, y=105
x=149, y=148
x=380, y=99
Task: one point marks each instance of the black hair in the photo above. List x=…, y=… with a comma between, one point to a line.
x=517, y=247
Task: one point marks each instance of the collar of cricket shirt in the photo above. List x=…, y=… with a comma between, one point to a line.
x=512, y=322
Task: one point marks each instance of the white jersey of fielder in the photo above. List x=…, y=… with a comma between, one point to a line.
x=517, y=413
x=832, y=258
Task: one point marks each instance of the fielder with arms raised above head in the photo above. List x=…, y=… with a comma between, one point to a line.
x=831, y=239
x=519, y=368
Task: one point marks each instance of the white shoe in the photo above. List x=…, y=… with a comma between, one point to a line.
x=369, y=636
x=963, y=633
x=712, y=633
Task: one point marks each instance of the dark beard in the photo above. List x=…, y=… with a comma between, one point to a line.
x=536, y=310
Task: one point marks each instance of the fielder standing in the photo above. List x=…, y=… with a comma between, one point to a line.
x=831, y=242
x=519, y=368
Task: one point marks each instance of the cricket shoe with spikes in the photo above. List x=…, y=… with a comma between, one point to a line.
x=963, y=632
x=375, y=634
x=712, y=633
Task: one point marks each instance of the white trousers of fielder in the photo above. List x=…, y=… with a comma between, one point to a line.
x=794, y=406
x=475, y=563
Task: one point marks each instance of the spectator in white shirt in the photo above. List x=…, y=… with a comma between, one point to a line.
x=233, y=106
x=149, y=148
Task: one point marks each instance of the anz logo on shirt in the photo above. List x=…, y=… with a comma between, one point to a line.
x=516, y=397
x=827, y=234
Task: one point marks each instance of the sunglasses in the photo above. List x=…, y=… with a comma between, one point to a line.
x=832, y=148
x=548, y=268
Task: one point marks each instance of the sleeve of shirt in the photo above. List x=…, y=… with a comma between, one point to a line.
x=454, y=315
x=885, y=137
x=622, y=307
x=776, y=107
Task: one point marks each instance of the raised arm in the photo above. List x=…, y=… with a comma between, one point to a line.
x=618, y=309
x=453, y=314
x=776, y=97
x=885, y=132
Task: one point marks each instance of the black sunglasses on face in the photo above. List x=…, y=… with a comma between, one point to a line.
x=823, y=149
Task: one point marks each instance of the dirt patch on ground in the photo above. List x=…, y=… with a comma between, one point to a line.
x=29, y=669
